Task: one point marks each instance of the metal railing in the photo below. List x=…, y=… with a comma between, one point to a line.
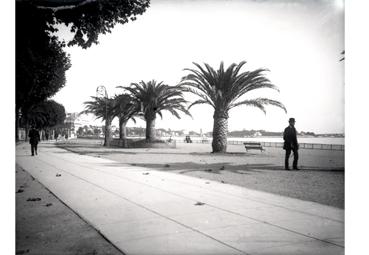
x=312, y=146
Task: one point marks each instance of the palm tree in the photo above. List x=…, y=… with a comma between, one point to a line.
x=126, y=109
x=153, y=98
x=222, y=90
x=102, y=108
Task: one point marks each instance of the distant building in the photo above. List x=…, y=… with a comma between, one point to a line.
x=73, y=121
x=80, y=120
x=69, y=124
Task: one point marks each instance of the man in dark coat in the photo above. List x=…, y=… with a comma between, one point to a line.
x=34, y=138
x=291, y=144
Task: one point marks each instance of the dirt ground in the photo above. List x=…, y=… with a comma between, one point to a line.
x=44, y=225
x=321, y=179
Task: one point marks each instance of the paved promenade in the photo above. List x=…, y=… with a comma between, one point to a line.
x=144, y=211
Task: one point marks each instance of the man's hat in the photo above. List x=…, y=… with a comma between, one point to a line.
x=291, y=120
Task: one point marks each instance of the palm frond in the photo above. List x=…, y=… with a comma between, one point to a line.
x=251, y=102
x=259, y=103
x=156, y=97
x=103, y=108
x=198, y=102
x=134, y=120
x=224, y=88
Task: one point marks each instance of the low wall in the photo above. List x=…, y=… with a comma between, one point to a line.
x=141, y=143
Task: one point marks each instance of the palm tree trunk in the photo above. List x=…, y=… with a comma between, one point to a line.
x=107, y=133
x=122, y=129
x=220, y=130
x=150, y=129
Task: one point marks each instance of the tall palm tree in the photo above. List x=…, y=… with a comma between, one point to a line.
x=102, y=108
x=153, y=98
x=223, y=89
x=125, y=109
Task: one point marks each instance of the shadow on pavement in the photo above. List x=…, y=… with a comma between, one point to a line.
x=104, y=151
x=215, y=168
x=218, y=168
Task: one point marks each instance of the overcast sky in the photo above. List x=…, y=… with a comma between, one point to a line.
x=299, y=41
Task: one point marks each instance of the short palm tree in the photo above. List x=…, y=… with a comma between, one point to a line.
x=223, y=89
x=153, y=98
x=126, y=109
x=102, y=108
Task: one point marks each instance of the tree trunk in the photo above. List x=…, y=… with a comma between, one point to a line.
x=26, y=131
x=150, y=129
x=122, y=129
x=16, y=124
x=220, y=130
x=107, y=138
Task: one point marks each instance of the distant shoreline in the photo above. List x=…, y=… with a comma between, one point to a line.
x=275, y=139
x=267, y=139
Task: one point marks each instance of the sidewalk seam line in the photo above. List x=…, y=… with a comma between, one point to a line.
x=261, y=221
x=166, y=217
x=77, y=214
x=251, y=199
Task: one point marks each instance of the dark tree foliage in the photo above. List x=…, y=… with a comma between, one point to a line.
x=89, y=18
x=44, y=115
x=41, y=62
x=80, y=131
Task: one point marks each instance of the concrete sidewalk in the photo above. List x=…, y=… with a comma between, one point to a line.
x=44, y=225
x=144, y=211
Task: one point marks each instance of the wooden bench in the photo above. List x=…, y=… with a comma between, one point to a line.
x=253, y=146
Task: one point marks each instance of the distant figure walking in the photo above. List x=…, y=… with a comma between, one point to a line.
x=34, y=138
x=291, y=144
